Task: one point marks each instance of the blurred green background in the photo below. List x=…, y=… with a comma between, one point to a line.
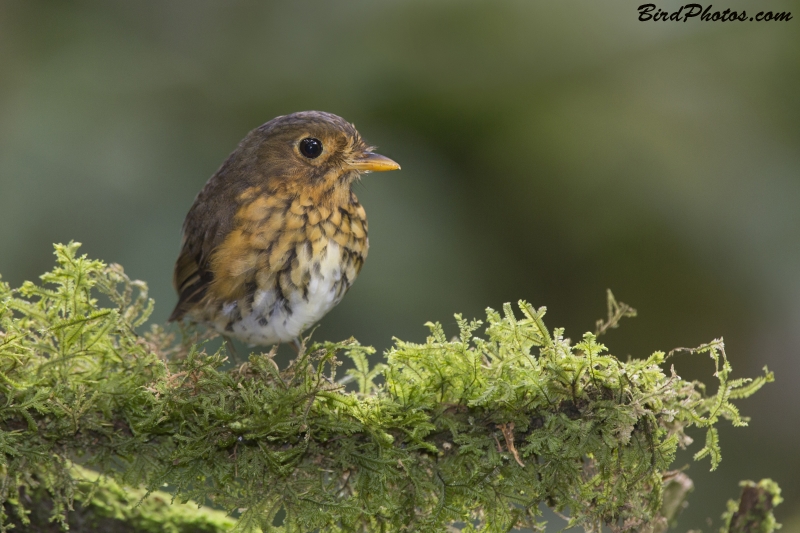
x=549, y=151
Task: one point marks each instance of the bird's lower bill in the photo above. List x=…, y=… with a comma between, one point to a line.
x=372, y=162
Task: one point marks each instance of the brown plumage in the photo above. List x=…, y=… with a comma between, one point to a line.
x=276, y=236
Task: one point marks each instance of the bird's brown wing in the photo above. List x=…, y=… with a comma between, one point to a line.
x=192, y=274
x=208, y=222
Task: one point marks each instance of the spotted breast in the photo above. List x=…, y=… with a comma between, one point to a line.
x=301, y=260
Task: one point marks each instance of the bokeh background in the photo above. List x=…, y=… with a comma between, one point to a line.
x=550, y=150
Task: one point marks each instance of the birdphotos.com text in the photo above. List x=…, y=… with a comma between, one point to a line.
x=698, y=12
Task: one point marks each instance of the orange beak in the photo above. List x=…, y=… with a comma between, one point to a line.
x=372, y=162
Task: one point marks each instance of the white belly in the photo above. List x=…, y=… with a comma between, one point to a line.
x=272, y=321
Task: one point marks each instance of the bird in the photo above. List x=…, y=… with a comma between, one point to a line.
x=277, y=236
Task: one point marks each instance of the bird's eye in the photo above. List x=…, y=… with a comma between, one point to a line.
x=311, y=147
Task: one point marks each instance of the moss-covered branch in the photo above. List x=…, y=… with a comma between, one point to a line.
x=102, y=506
x=753, y=512
x=478, y=430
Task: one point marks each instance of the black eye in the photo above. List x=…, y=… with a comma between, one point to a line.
x=311, y=147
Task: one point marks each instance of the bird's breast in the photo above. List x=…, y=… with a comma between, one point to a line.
x=285, y=266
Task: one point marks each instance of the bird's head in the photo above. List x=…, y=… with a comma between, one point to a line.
x=310, y=151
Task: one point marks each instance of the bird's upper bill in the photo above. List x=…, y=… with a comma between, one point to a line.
x=372, y=162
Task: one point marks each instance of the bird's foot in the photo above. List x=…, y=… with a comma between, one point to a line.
x=297, y=345
x=231, y=349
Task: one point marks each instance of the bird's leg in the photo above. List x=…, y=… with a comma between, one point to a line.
x=231, y=349
x=297, y=345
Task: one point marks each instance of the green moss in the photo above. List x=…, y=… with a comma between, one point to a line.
x=753, y=512
x=478, y=430
x=101, y=505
